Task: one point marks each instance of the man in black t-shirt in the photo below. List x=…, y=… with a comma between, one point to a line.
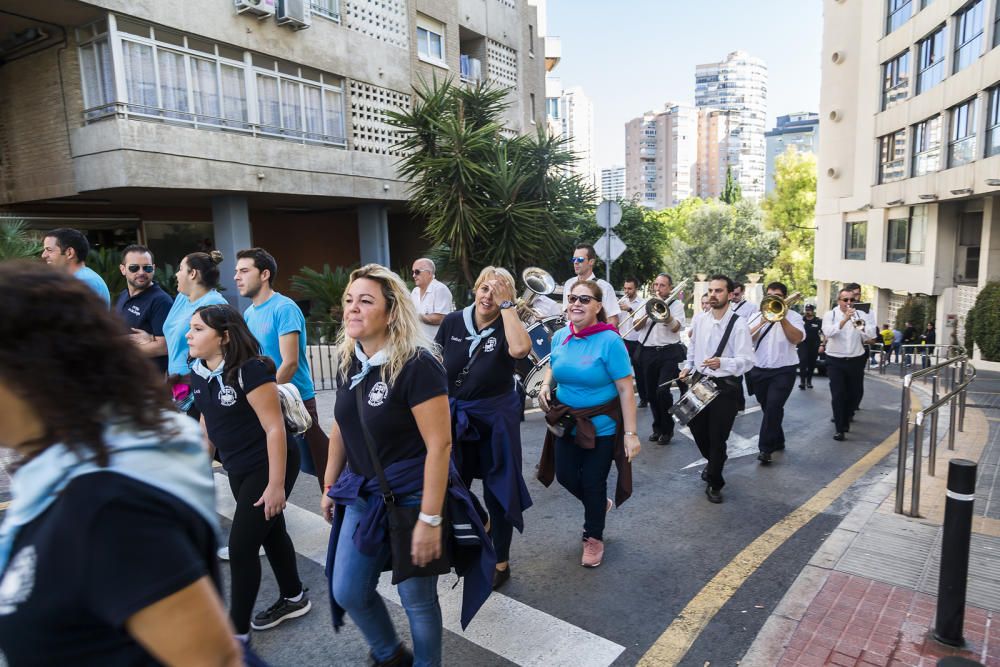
x=808, y=349
x=143, y=304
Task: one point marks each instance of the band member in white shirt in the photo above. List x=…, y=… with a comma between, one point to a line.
x=430, y=297
x=584, y=258
x=870, y=325
x=740, y=305
x=632, y=309
x=662, y=354
x=712, y=425
x=846, y=332
x=776, y=361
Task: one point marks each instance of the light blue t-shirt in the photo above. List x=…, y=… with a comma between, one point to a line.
x=94, y=281
x=585, y=370
x=176, y=326
x=270, y=321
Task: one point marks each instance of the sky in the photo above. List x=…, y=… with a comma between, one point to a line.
x=632, y=56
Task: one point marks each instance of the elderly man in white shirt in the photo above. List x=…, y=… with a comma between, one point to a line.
x=584, y=258
x=776, y=361
x=846, y=331
x=710, y=331
x=430, y=297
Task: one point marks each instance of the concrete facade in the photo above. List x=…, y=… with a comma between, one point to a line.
x=133, y=109
x=908, y=196
x=612, y=183
x=661, y=156
x=798, y=132
x=738, y=85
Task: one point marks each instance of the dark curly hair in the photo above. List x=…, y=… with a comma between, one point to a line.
x=64, y=354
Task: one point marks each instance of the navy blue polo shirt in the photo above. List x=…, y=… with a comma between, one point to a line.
x=147, y=311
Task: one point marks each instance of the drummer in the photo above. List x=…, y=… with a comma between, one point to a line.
x=584, y=258
x=480, y=344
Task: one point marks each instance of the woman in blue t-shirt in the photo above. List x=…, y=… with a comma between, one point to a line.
x=235, y=391
x=592, y=418
x=197, y=278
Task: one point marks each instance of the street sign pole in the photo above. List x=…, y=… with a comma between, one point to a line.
x=609, y=214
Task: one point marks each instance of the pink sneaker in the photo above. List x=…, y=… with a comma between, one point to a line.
x=593, y=552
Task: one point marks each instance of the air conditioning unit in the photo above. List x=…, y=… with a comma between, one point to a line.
x=294, y=13
x=259, y=8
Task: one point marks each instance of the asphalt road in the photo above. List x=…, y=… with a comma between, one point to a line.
x=662, y=547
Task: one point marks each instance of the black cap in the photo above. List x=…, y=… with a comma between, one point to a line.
x=809, y=306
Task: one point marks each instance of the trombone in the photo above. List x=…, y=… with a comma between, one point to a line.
x=657, y=309
x=773, y=309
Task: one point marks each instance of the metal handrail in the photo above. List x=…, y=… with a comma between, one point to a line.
x=959, y=383
x=918, y=349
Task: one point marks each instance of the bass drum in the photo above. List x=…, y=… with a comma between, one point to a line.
x=694, y=400
x=533, y=381
x=541, y=342
x=553, y=324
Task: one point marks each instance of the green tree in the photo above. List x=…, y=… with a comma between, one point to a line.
x=722, y=238
x=983, y=321
x=17, y=241
x=731, y=192
x=790, y=211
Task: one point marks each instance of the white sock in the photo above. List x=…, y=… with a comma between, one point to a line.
x=297, y=598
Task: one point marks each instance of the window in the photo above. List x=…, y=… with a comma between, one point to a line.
x=927, y=146
x=996, y=29
x=892, y=157
x=895, y=80
x=930, y=68
x=552, y=107
x=855, y=239
x=532, y=97
x=531, y=40
x=969, y=34
x=298, y=102
x=993, y=123
x=925, y=3
x=898, y=13
x=97, y=73
x=970, y=234
x=328, y=8
x=430, y=39
x=962, y=145
x=905, y=237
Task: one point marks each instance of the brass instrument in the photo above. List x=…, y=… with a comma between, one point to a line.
x=657, y=309
x=537, y=282
x=773, y=308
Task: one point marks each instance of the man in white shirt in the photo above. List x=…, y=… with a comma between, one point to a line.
x=430, y=297
x=661, y=354
x=870, y=325
x=632, y=305
x=776, y=361
x=740, y=305
x=712, y=425
x=845, y=358
x=584, y=258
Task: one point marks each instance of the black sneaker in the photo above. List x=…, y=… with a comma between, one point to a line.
x=401, y=658
x=281, y=611
x=764, y=458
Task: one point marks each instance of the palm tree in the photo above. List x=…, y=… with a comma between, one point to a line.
x=17, y=241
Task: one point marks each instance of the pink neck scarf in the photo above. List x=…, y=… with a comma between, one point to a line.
x=589, y=331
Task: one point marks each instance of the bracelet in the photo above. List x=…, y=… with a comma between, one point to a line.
x=326, y=489
x=631, y=433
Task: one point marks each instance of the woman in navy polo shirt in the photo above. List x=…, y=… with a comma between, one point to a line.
x=592, y=415
x=235, y=391
x=387, y=365
x=479, y=344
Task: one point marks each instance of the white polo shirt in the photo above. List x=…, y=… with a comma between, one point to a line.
x=437, y=299
x=706, y=334
x=610, y=301
x=744, y=309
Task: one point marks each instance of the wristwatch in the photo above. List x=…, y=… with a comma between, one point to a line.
x=432, y=520
x=506, y=304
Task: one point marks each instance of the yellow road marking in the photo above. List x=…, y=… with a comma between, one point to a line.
x=678, y=638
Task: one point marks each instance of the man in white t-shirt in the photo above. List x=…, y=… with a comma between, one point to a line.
x=584, y=258
x=430, y=297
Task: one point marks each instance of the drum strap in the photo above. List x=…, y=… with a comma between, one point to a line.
x=725, y=335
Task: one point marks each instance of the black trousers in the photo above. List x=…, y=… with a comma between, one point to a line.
x=711, y=428
x=477, y=461
x=846, y=375
x=772, y=387
x=807, y=361
x=249, y=531
x=660, y=365
x=633, y=353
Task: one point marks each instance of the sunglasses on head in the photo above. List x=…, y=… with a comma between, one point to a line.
x=582, y=298
x=578, y=260
x=134, y=268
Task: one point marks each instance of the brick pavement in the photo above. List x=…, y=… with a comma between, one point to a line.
x=854, y=621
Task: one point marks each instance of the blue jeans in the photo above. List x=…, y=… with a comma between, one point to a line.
x=355, y=577
x=584, y=473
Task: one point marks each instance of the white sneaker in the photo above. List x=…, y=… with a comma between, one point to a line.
x=223, y=553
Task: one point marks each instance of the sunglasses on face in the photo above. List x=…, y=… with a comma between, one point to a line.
x=582, y=298
x=849, y=300
x=417, y=272
x=578, y=260
x=134, y=268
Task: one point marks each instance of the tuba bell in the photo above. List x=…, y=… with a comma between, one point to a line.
x=537, y=282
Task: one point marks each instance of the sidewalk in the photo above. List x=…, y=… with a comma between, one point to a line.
x=868, y=596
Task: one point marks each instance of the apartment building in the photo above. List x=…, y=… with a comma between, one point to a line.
x=661, y=156
x=227, y=123
x=612, y=183
x=570, y=116
x=737, y=86
x=798, y=132
x=908, y=195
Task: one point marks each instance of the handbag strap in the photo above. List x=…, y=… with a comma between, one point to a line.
x=465, y=371
x=383, y=483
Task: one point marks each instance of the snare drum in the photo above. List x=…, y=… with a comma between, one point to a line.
x=700, y=394
x=533, y=382
x=541, y=342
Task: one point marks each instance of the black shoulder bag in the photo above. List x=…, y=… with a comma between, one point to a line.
x=403, y=519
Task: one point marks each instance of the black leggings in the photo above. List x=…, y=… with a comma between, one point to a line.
x=250, y=530
x=477, y=461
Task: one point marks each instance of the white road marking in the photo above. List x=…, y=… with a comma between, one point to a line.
x=504, y=626
x=736, y=446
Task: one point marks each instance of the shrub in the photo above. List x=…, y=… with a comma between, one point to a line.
x=985, y=322
x=915, y=310
x=17, y=241
x=325, y=291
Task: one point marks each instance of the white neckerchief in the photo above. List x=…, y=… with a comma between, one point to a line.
x=367, y=363
x=470, y=327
